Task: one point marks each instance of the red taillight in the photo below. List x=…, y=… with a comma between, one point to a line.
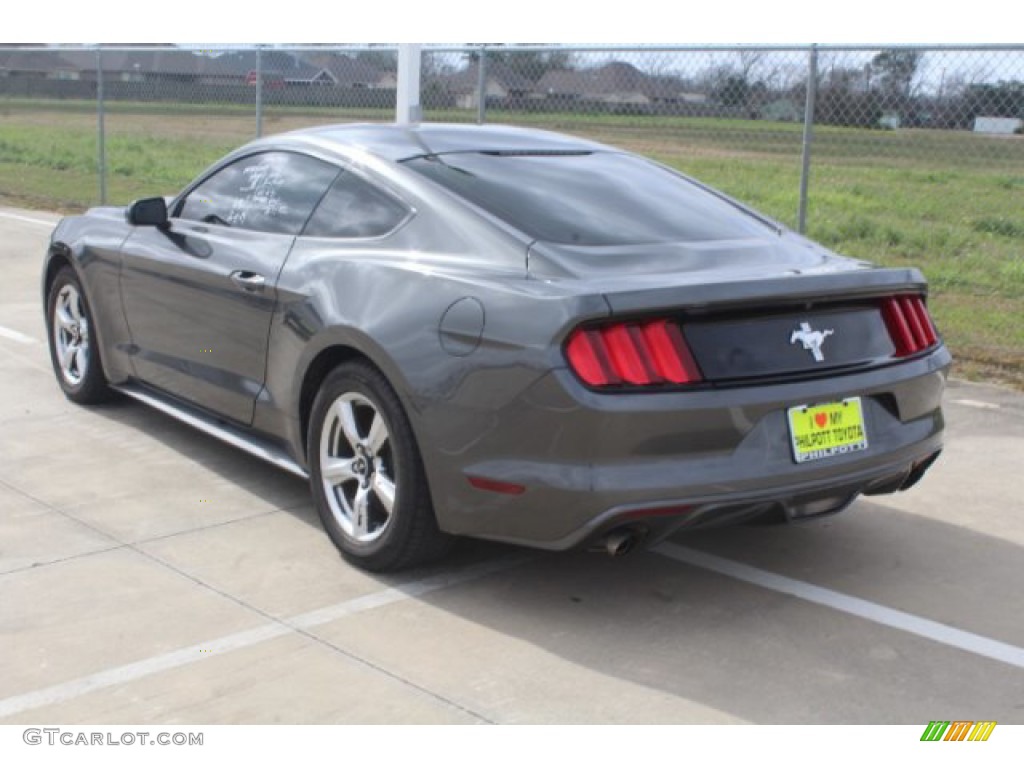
x=633, y=353
x=672, y=356
x=588, y=358
x=909, y=324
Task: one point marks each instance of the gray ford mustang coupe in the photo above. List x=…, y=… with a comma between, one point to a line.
x=502, y=333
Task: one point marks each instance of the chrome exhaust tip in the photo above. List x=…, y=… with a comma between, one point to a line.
x=618, y=543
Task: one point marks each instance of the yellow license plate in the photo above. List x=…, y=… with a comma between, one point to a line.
x=830, y=429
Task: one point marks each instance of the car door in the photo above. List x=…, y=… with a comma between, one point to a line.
x=199, y=294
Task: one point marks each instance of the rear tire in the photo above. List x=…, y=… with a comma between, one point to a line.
x=366, y=473
x=74, y=350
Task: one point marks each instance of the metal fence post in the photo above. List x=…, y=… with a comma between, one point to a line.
x=805, y=170
x=481, y=87
x=407, y=96
x=101, y=135
x=259, y=91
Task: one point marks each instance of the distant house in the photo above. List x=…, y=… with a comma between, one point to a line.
x=162, y=62
x=279, y=68
x=671, y=91
x=563, y=85
x=502, y=82
x=172, y=65
x=350, y=72
x=617, y=82
x=49, y=65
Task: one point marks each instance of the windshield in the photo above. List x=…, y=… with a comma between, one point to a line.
x=589, y=198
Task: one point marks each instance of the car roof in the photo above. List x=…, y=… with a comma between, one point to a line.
x=401, y=142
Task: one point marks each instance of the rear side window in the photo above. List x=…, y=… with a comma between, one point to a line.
x=266, y=192
x=353, y=207
x=589, y=198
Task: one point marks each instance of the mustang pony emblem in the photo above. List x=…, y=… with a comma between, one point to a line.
x=812, y=340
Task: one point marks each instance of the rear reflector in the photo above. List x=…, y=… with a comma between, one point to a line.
x=639, y=514
x=909, y=324
x=632, y=354
x=497, y=486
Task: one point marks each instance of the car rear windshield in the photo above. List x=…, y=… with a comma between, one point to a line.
x=588, y=198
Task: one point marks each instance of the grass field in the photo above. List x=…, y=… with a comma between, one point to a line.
x=951, y=203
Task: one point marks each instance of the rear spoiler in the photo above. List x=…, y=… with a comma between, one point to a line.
x=649, y=293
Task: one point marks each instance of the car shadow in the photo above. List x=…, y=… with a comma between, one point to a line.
x=708, y=641
x=769, y=657
x=278, y=488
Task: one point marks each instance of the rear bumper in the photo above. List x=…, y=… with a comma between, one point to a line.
x=590, y=463
x=789, y=503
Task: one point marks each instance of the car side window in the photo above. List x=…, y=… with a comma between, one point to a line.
x=354, y=207
x=267, y=192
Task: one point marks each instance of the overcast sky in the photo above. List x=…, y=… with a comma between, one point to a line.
x=526, y=21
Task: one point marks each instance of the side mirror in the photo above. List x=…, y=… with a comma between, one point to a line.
x=149, y=212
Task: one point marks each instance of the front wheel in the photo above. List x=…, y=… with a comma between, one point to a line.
x=366, y=474
x=74, y=350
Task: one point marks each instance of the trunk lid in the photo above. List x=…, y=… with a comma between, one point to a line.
x=748, y=309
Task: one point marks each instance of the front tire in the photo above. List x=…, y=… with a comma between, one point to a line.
x=366, y=473
x=74, y=350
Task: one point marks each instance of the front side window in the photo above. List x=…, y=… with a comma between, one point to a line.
x=267, y=192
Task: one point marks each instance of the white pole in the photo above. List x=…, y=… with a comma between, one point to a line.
x=407, y=103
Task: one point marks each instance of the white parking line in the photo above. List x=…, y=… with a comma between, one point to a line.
x=976, y=404
x=72, y=689
x=27, y=219
x=21, y=338
x=865, y=609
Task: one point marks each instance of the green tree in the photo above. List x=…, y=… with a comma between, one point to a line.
x=733, y=91
x=896, y=68
x=386, y=60
x=531, y=64
x=1005, y=99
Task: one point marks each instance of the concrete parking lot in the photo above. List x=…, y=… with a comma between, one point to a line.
x=149, y=574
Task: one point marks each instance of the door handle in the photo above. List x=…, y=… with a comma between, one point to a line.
x=248, y=281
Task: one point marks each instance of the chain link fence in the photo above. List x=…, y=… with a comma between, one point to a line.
x=900, y=155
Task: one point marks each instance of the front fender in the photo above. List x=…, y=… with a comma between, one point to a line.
x=92, y=245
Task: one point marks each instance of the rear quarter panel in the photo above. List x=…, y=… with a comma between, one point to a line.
x=386, y=299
